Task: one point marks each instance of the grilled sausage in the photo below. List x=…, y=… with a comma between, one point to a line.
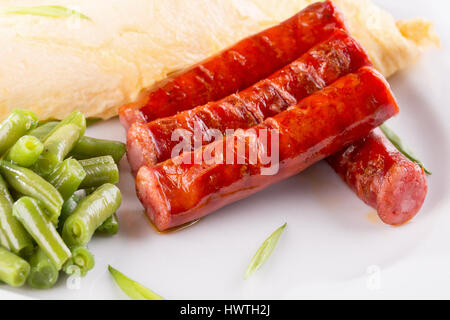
x=181, y=189
x=237, y=67
x=151, y=143
x=382, y=177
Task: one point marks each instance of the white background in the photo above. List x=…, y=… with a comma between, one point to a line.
x=332, y=248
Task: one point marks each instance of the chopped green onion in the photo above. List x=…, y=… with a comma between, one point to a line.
x=82, y=261
x=400, y=145
x=48, y=11
x=133, y=289
x=264, y=251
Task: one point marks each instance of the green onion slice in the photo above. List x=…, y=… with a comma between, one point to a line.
x=47, y=11
x=264, y=251
x=400, y=145
x=133, y=289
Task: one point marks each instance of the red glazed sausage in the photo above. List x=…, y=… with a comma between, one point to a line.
x=237, y=67
x=175, y=192
x=151, y=143
x=382, y=177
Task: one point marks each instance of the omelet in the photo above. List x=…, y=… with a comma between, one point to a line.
x=102, y=57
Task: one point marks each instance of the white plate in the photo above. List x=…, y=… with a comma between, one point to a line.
x=332, y=248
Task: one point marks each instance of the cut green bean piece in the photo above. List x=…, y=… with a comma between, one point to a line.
x=29, y=213
x=77, y=118
x=4, y=191
x=43, y=273
x=13, y=269
x=18, y=240
x=26, y=151
x=99, y=171
x=131, y=288
x=67, y=177
x=28, y=183
x=43, y=130
x=86, y=147
x=92, y=148
x=110, y=226
x=68, y=208
x=4, y=241
x=14, y=127
x=90, y=214
x=70, y=205
x=57, y=147
x=82, y=260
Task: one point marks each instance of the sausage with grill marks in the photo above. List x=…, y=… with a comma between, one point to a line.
x=382, y=177
x=237, y=67
x=151, y=143
x=179, y=190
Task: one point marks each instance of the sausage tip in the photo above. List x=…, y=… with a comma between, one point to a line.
x=402, y=194
x=149, y=193
x=141, y=149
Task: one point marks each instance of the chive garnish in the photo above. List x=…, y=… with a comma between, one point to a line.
x=264, y=251
x=47, y=11
x=131, y=288
x=400, y=145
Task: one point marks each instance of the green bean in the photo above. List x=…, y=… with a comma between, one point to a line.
x=42, y=130
x=86, y=147
x=25, y=151
x=70, y=205
x=28, y=212
x=110, y=226
x=13, y=269
x=82, y=259
x=76, y=118
x=4, y=191
x=19, y=241
x=99, y=171
x=91, y=148
x=43, y=273
x=90, y=214
x=15, y=126
x=67, y=177
x=68, y=208
x=4, y=241
x=57, y=147
x=31, y=184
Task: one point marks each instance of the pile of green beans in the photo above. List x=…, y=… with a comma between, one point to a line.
x=56, y=191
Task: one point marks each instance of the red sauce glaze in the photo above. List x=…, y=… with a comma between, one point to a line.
x=174, y=192
x=237, y=67
x=382, y=177
x=319, y=67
